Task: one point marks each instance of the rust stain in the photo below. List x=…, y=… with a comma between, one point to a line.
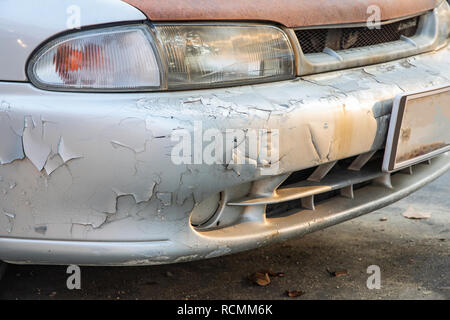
x=343, y=131
x=405, y=134
x=421, y=150
x=290, y=13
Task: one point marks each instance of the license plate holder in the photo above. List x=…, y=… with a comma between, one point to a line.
x=419, y=128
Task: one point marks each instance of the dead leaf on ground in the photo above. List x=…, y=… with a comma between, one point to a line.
x=260, y=278
x=412, y=213
x=294, y=293
x=340, y=273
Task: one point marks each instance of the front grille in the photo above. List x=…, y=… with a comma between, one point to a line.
x=316, y=40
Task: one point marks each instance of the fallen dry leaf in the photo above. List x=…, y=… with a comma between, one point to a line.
x=294, y=293
x=338, y=273
x=412, y=213
x=260, y=278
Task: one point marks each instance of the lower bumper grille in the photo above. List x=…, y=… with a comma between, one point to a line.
x=306, y=185
x=307, y=188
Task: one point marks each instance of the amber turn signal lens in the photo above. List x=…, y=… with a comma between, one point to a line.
x=116, y=58
x=68, y=60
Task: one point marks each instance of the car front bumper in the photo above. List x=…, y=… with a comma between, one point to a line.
x=88, y=178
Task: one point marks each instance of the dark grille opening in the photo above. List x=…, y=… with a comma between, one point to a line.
x=298, y=176
x=316, y=40
x=282, y=209
x=342, y=164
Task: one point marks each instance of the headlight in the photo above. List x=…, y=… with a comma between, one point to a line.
x=202, y=55
x=448, y=18
x=165, y=56
x=443, y=13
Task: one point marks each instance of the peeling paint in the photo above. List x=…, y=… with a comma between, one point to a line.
x=53, y=163
x=11, y=146
x=218, y=253
x=41, y=230
x=65, y=152
x=165, y=197
x=33, y=144
x=10, y=217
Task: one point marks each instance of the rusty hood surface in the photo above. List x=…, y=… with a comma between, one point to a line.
x=291, y=13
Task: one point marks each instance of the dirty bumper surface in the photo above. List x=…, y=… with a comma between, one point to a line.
x=89, y=179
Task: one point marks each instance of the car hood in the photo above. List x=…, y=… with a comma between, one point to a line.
x=290, y=13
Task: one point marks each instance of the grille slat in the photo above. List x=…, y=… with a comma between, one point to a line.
x=337, y=39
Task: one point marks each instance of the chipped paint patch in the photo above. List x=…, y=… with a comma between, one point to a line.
x=165, y=198
x=36, y=149
x=218, y=253
x=10, y=221
x=11, y=147
x=66, y=153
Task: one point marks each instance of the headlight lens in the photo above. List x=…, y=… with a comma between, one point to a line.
x=443, y=14
x=165, y=56
x=202, y=55
x=116, y=58
x=448, y=18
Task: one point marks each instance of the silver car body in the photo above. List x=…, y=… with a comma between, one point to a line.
x=87, y=178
